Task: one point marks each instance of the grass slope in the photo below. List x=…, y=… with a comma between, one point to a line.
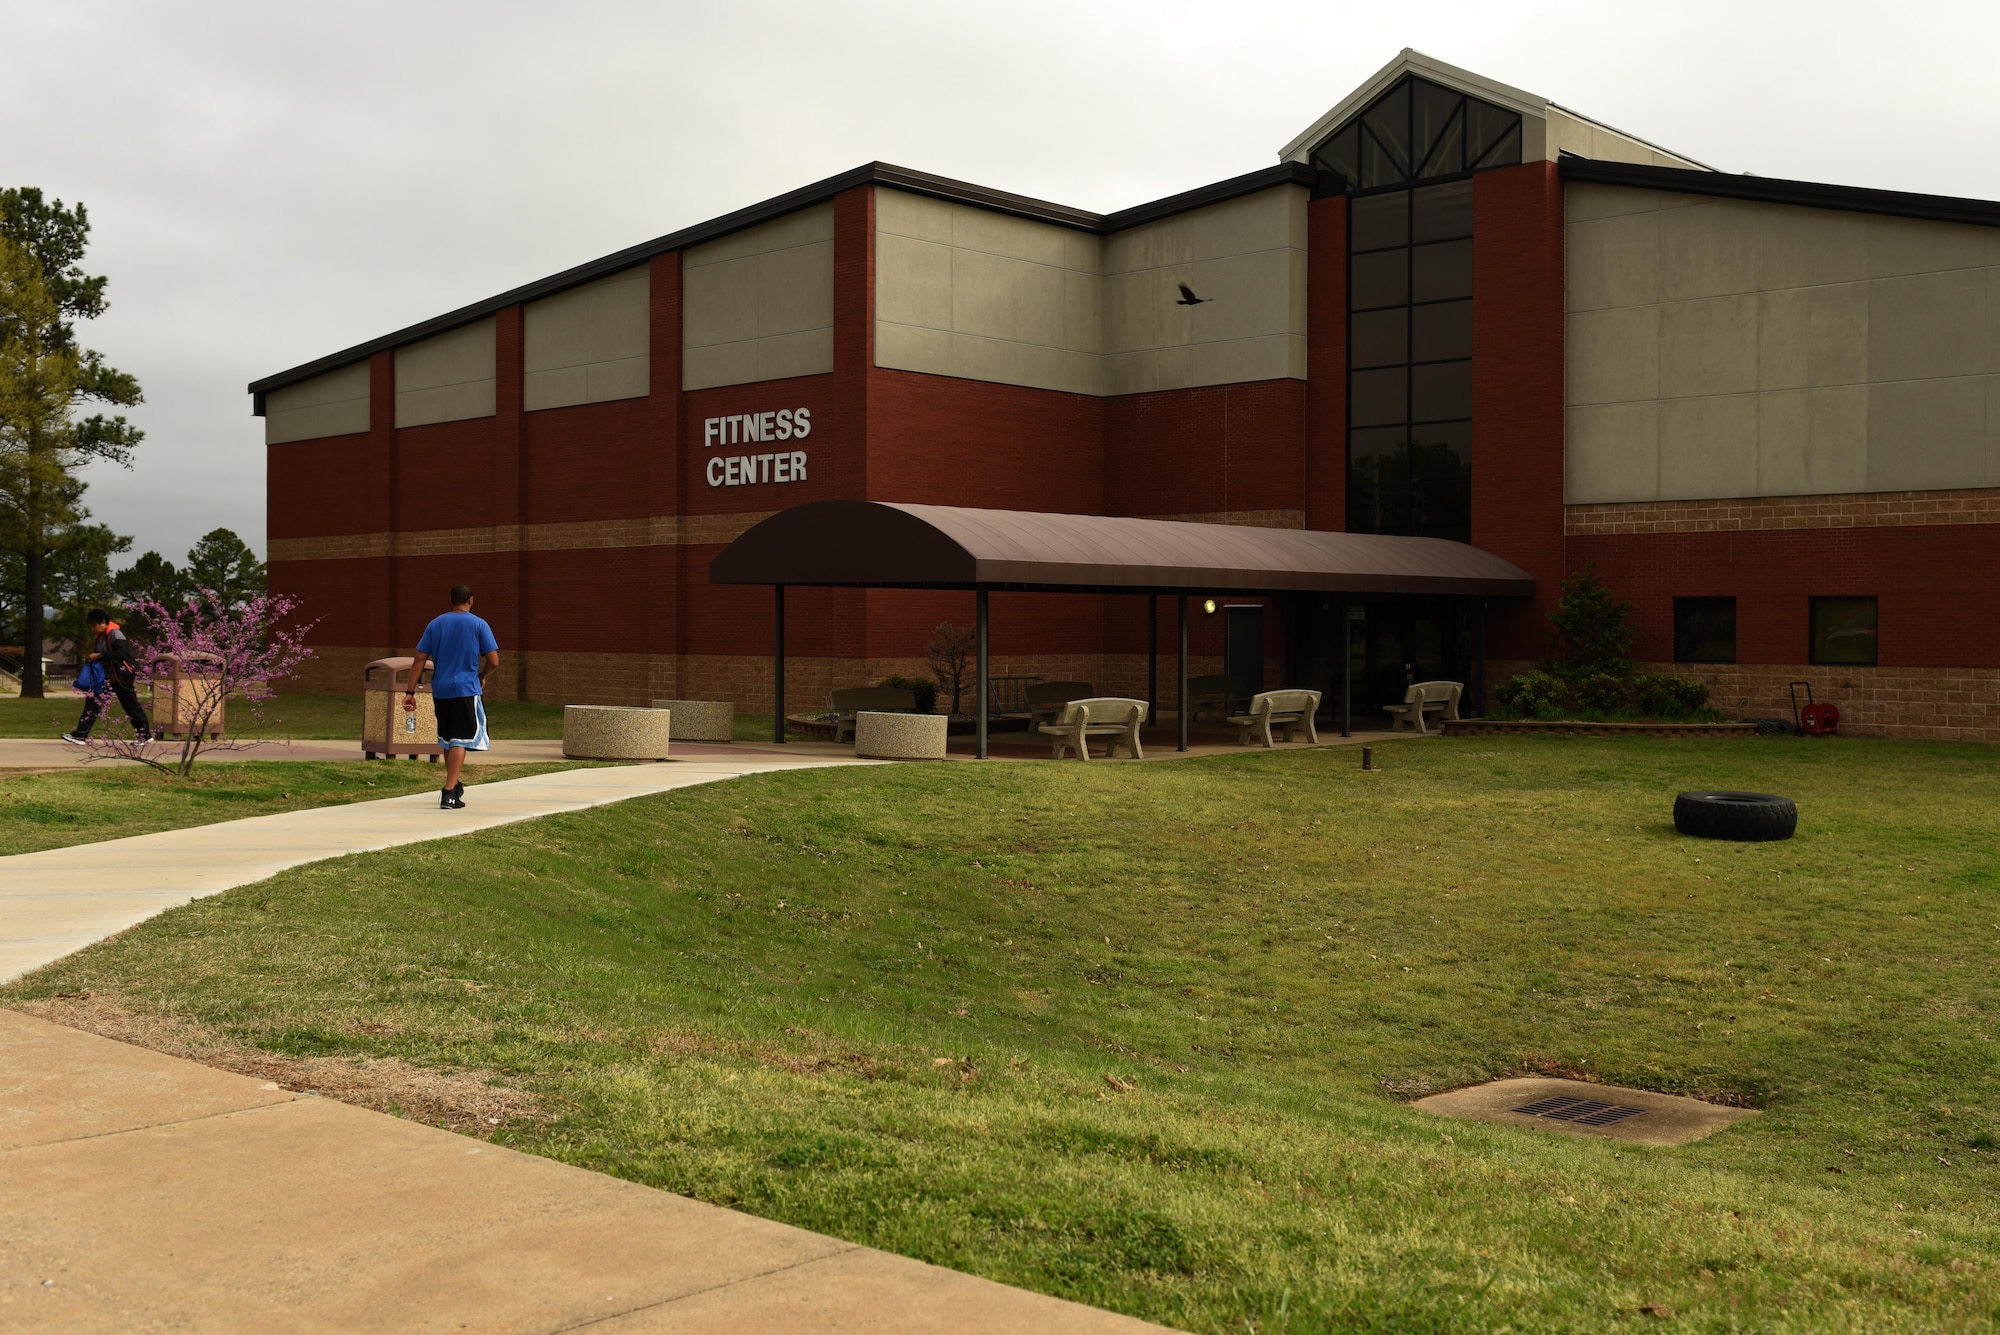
x=884, y=1003
x=319, y=717
x=85, y=806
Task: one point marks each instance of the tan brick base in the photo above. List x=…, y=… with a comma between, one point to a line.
x=1943, y=704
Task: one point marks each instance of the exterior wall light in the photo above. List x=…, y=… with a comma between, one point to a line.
x=1208, y=606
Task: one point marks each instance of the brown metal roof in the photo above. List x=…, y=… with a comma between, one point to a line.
x=878, y=544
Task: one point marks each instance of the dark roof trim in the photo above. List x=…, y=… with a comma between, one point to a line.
x=1771, y=190
x=875, y=173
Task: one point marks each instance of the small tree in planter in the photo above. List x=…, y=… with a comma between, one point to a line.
x=951, y=652
x=1589, y=633
x=240, y=649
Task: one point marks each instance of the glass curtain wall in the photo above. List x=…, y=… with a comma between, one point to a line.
x=1406, y=164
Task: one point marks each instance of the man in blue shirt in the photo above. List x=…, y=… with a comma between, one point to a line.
x=462, y=651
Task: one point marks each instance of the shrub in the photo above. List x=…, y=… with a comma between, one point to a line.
x=1663, y=695
x=1602, y=692
x=951, y=651
x=922, y=687
x=1533, y=695
x=1588, y=633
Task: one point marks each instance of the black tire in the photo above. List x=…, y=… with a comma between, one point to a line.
x=1743, y=817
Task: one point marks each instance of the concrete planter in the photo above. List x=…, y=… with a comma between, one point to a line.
x=701, y=720
x=899, y=736
x=614, y=732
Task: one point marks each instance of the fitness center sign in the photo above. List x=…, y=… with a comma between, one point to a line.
x=743, y=470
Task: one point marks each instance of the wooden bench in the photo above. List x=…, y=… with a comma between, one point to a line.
x=1214, y=698
x=1426, y=698
x=1288, y=710
x=1046, y=699
x=1103, y=716
x=845, y=703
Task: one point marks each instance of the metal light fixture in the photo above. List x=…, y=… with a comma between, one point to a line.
x=1208, y=606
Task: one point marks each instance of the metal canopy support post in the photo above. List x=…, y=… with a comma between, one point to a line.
x=1152, y=658
x=1479, y=671
x=1346, y=668
x=1181, y=700
x=778, y=662
x=980, y=619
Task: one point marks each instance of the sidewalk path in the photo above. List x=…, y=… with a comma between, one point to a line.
x=62, y=899
x=140, y=1191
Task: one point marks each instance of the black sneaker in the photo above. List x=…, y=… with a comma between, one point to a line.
x=75, y=740
x=445, y=799
x=452, y=799
x=458, y=791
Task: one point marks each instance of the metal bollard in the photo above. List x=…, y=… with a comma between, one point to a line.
x=1367, y=757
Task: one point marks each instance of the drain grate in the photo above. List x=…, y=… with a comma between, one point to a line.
x=1584, y=1112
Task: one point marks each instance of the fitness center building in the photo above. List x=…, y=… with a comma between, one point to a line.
x=1766, y=411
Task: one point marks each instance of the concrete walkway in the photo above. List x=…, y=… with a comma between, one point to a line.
x=143, y=1192
x=62, y=899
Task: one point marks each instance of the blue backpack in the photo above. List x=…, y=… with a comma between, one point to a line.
x=90, y=677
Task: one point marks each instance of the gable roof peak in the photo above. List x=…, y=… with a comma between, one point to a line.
x=1412, y=61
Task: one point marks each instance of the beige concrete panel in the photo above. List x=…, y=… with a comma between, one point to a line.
x=1992, y=427
x=1612, y=453
x=902, y=347
x=994, y=296
x=1708, y=347
x=719, y=364
x=795, y=290
x=1838, y=319
x=1799, y=247
x=912, y=281
x=588, y=345
x=1083, y=312
x=794, y=229
x=1915, y=245
x=1011, y=363
x=1708, y=447
x=447, y=378
x=1709, y=249
x=334, y=404
x=1784, y=339
x=1132, y=372
x=1238, y=361
x=1613, y=261
x=719, y=303
x=1253, y=298
x=1931, y=324
x=783, y=356
x=1139, y=312
x=1993, y=310
x=1585, y=201
x=916, y=216
x=1837, y=417
x=1012, y=238
x=1535, y=140
x=1784, y=443
x=1613, y=356
x=1927, y=433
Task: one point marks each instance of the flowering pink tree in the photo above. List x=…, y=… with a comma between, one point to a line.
x=223, y=651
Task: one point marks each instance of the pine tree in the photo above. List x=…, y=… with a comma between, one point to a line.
x=1590, y=634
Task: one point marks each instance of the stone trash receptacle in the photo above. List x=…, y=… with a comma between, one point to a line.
x=701, y=720
x=899, y=736
x=614, y=732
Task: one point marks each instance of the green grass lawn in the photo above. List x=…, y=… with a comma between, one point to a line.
x=319, y=717
x=884, y=1004
x=83, y=806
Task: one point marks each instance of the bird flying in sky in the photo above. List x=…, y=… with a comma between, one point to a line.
x=1188, y=298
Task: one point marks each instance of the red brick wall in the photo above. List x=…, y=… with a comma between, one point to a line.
x=1201, y=451
x=1934, y=583
x=1517, y=391
x=1326, y=365
x=313, y=489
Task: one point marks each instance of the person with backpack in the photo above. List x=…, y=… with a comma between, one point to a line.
x=116, y=672
x=462, y=652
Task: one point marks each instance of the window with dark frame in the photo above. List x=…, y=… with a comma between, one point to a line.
x=1704, y=630
x=1843, y=631
x=1407, y=163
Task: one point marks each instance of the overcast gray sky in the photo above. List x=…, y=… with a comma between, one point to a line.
x=269, y=182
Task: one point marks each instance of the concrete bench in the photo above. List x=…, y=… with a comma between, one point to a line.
x=1287, y=710
x=1103, y=716
x=614, y=732
x=701, y=720
x=849, y=701
x=899, y=736
x=1047, y=699
x=1425, y=698
x=1214, y=698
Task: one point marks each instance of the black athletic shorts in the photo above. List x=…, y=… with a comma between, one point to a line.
x=458, y=720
